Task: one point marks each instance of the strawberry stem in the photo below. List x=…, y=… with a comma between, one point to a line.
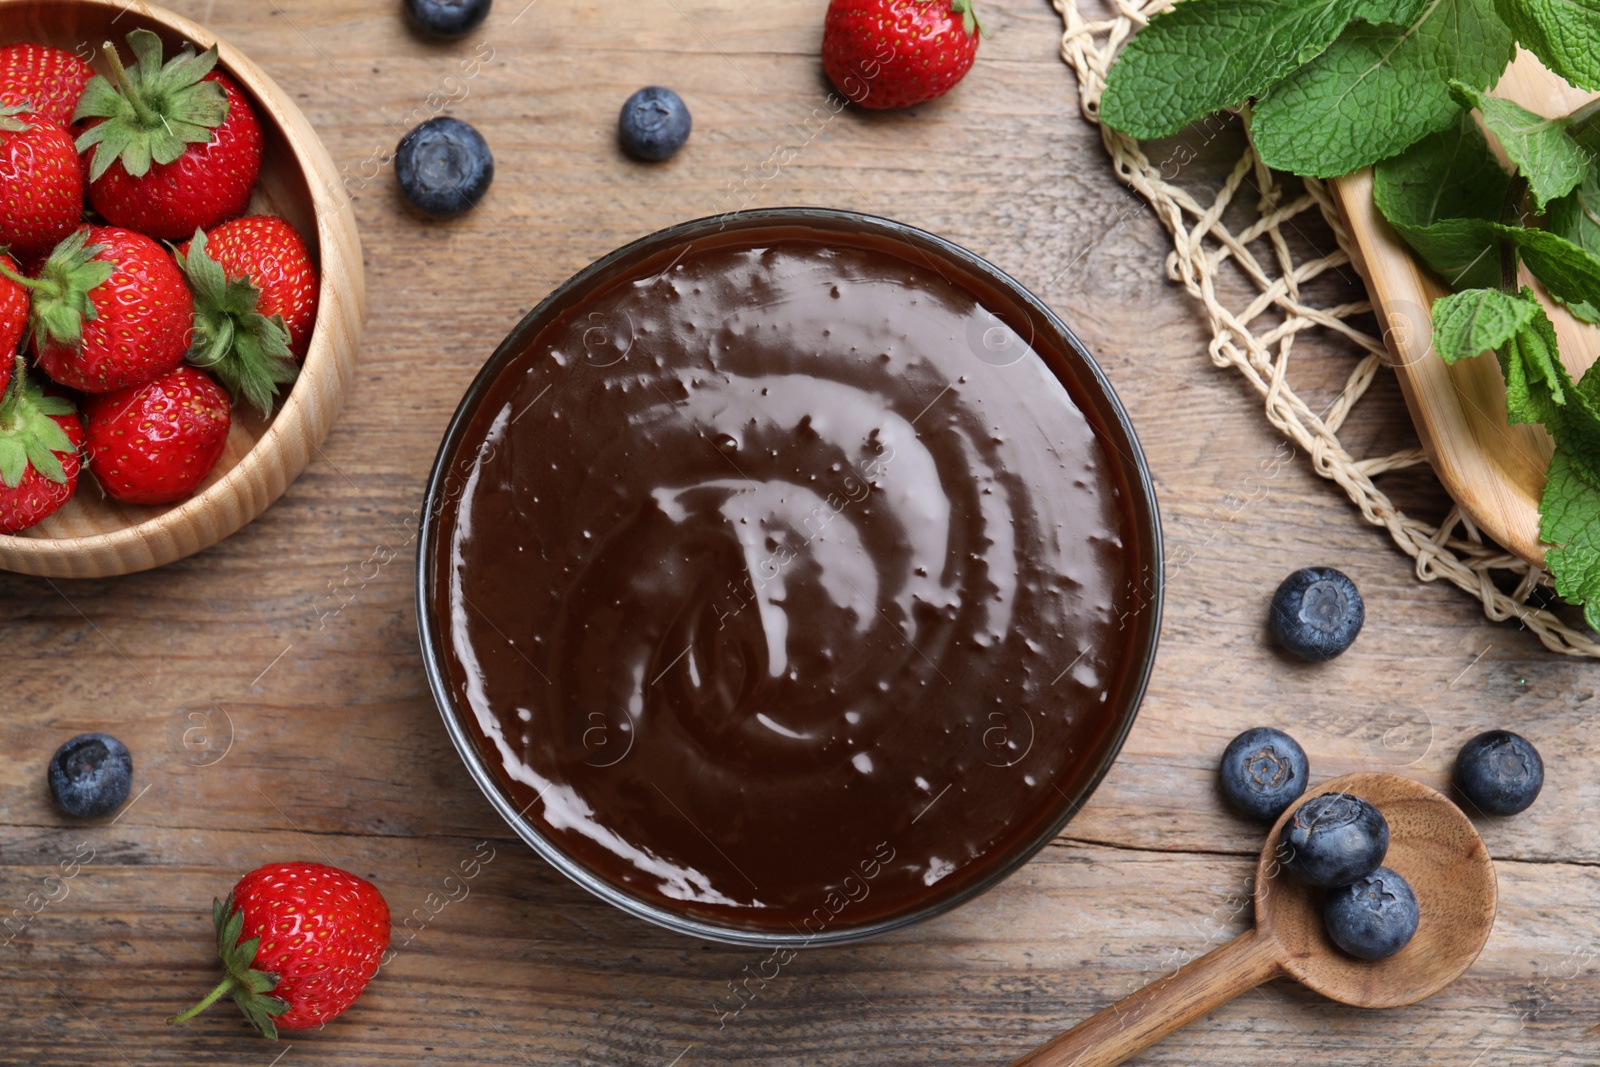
x=129, y=93
x=223, y=988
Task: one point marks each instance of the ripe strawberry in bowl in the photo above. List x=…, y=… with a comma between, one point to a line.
x=110, y=310
x=300, y=942
x=49, y=80
x=255, y=304
x=13, y=318
x=174, y=146
x=41, y=183
x=155, y=443
x=40, y=438
x=270, y=254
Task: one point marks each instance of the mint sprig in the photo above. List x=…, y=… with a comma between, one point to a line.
x=1336, y=85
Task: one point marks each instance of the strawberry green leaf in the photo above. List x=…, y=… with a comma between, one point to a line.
x=247, y=985
x=1468, y=323
x=969, y=17
x=247, y=351
x=1378, y=89
x=1538, y=147
x=1204, y=55
x=9, y=120
x=29, y=437
x=152, y=111
x=61, y=300
x=1564, y=34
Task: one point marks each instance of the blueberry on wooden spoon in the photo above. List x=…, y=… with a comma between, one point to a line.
x=448, y=18
x=1334, y=839
x=1263, y=770
x=444, y=167
x=1499, y=772
x=1317, y=613
x=1374, y=917
x=91, y=775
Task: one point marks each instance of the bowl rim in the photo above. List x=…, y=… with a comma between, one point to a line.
x=1136, y=473
x=298, y=414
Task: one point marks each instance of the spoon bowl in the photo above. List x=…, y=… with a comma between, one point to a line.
x=1431, y=843
x=1435, y=847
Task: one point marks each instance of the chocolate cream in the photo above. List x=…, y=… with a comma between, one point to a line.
x=784, y=587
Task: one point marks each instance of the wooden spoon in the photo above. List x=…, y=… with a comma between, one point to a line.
x=1431, y=843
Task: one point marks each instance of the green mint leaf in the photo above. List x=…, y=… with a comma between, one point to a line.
x=1205, y=55
x=1378, y=89
x=1440, y=196
x=1535, y=379
x=1564, y=34
x=1571, y=273
x=1472, y=322
x=1538, y=147
x=1446, y=175
x=1569, y=522
x=1576, y=216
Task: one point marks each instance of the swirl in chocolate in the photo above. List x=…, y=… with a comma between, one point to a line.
x=776, y=553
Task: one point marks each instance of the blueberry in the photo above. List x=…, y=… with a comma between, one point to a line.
x=654, y=124
x=1333, y=839
x=1499, y=772
x=90, y=775
x=444, y=167
x=1316, y=613
x=448, y=18
x=1263, y=770
x=1373, y=918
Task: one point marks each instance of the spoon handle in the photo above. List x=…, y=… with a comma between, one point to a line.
x=1138, y=1021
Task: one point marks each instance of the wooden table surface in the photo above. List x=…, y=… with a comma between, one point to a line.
x=294, y=643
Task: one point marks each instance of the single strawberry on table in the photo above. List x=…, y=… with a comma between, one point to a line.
x=41, y=183
x=300, y=941
x=174, y=146
x=39, y=459
x=895, y=53
x=50, y=80
x=237, y=335
x=154, y=443
x=110, y=310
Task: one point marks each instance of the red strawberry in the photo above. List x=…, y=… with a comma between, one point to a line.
x=176, y=146
x=13, y=318
x=233, y=337
x=895, y=53
x=265, y=251
x=110, y=310
x=41, y=184
x=309, y=934
x=39, y=440
x=48, y=79
x=153, y=443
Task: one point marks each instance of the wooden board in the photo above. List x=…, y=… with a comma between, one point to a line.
x=1494, y=471
x=272, y=692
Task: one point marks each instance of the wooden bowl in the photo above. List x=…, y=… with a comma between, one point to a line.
x=94, y=536
x=1495, y=472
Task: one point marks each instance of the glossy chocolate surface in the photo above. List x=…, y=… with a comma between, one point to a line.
x=784, y=585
